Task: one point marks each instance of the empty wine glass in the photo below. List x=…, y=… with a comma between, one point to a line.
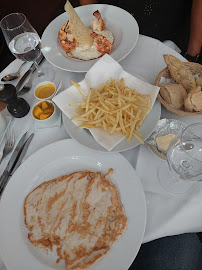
x=184, y=161
x=24, y=42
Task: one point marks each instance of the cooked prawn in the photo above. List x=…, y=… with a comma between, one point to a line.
x=103, y=44
x=97, y=23
x=66, y=39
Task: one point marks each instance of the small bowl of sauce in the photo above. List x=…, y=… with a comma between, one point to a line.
x=44, y=90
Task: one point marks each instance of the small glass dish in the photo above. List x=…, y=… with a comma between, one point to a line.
x=44, y=90
x=163, y=128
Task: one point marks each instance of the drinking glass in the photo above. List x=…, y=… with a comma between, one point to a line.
x=184, y=161
x=24, y=42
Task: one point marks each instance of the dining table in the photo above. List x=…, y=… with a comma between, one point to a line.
x=167, y=213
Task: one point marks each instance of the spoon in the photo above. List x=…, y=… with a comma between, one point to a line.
x=12, y=76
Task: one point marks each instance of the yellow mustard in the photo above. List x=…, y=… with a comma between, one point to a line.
x=45, y=91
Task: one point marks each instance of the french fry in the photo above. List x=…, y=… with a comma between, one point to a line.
x=114, y=107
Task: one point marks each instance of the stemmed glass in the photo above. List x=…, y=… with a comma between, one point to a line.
x=184, y=161
x=24, y=42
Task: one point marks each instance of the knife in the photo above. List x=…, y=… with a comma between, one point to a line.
x=29, y=71
x=22, y=153
x=12, y=160
x=15, y=161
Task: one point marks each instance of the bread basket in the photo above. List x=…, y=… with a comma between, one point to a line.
x=195, y=69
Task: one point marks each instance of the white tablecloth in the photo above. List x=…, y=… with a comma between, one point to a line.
x=167, y=214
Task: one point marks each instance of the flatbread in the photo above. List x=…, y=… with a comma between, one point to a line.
x=77, y=28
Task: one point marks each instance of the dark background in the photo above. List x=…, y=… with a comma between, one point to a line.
x=39, y=13
x=155, y=18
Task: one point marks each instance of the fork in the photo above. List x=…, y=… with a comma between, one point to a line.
x=9, y=144
x=27, y=86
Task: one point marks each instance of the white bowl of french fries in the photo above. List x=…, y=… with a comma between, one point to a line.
x=110, y=102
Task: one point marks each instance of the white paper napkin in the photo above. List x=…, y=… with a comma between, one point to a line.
x=104, y=68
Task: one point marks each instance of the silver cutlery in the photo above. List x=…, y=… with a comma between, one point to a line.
x=9, y=144
x=12, y=159
x=15, y=161
x=24, y=77
x=14, y=75
x=28, y=84
x=22, y=153
x=30, y=71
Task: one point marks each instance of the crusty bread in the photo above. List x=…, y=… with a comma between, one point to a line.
x=77, y=28
x=193, y=100
x=80, y=214
x=199, y=81
x=197, y=101
x=179, y=72
x=188, y=104
x=173, y=94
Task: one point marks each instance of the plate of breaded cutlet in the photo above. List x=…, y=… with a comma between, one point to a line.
x=68, y=207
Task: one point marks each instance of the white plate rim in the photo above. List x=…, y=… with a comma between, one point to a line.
x=84, y=137
x=55, y=54
x=7, y=251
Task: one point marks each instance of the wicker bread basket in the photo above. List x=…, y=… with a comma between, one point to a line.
x=195, y=69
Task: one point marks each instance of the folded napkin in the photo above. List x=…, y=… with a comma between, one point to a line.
x=103, y=69
x=13, y=67
x=167, y=213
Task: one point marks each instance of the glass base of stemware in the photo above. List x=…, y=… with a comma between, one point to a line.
x=172, y=183
x=48, y=75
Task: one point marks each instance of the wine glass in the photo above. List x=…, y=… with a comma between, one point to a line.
x=24, y=42
x=184, y=161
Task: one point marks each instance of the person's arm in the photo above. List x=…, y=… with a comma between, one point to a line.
x=195, y=38
x=87, y=2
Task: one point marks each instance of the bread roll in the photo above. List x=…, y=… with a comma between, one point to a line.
x=173, y=94
x=179, y=72
x=197, y=101
x=191, y=103
x=199, y=81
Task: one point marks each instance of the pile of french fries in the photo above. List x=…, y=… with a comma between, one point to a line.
x=114, y=107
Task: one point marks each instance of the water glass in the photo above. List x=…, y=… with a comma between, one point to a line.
x=23, y=41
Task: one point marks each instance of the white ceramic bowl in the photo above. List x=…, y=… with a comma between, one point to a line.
x=51, y=119
x=43, y=83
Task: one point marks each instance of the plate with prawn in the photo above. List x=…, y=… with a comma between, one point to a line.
x=114, y=40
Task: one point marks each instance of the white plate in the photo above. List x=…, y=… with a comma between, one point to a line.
x=54, y=160
x=120, y=22
x=84, y=137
